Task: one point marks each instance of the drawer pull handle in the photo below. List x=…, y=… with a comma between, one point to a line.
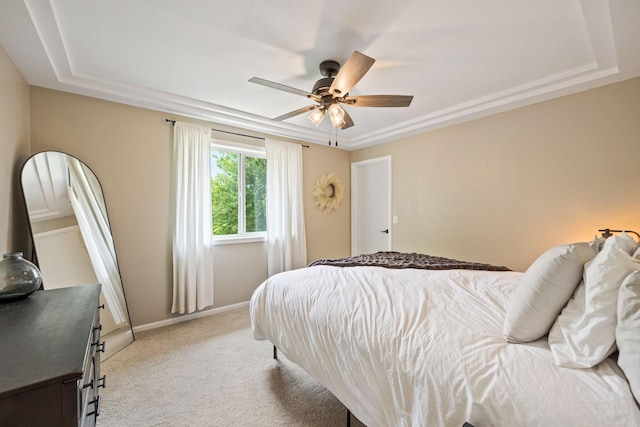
x=101, y=306
x=96, y=407
x=102, y=382
x=100, y=346
x=98, y=328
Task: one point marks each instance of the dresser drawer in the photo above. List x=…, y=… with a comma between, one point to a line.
x=49, y=375
x=89, y=385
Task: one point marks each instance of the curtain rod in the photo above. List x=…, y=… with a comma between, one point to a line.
x=173, y=122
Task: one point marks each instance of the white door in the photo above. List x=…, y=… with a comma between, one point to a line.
x=371, y=206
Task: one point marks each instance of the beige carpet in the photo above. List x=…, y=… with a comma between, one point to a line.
x=211, y=372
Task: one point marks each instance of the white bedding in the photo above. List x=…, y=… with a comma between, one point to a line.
x=425, y=348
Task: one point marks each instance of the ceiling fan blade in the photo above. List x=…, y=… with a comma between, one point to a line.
x=348, y=121
x=278, y=86
x=350, y=73
x=296, y=112
x=379, y=100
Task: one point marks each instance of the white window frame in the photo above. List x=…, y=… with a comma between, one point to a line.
x=242, y=150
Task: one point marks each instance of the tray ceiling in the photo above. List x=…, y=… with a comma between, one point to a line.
x=460, y=59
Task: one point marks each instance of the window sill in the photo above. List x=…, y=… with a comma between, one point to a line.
x=235, y=240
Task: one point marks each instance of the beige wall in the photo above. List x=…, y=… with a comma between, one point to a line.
x=499, y=189
x=128, y=149
x=328, y=236
x=14, y=149
x=502, y=189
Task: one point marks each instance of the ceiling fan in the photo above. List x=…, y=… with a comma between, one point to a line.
x=333, y=89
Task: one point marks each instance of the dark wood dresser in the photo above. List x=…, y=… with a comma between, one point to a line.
x=49, y=360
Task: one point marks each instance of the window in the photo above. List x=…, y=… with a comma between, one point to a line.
x=238, y=191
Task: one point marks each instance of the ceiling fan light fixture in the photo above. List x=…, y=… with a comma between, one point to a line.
x=336, y=114
x=333, y=89
x=338, y=124
x=317, y=116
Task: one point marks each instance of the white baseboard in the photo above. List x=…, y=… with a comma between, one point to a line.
x=187, y=317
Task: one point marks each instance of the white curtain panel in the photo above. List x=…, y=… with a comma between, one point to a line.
x=287, y=243
x=192, y=225
x=88, y=206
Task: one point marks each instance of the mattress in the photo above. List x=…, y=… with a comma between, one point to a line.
x=424, y=348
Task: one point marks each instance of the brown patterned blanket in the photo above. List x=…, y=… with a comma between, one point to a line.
x=406, y=260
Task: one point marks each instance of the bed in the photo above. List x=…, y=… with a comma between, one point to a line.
x=401, y=343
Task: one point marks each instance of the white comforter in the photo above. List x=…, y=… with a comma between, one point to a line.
x=425, y=348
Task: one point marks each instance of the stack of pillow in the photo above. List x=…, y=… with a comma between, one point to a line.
x=586, y=297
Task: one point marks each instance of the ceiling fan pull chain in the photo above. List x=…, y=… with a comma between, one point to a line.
x=336, y=137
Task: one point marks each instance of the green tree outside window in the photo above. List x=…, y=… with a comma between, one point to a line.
x=255, y=188
x=225, y=178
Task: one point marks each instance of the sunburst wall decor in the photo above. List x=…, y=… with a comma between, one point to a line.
x=328, y=193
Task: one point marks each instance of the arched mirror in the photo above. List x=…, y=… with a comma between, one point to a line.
x=72, y=237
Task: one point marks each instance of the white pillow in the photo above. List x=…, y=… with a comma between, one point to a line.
x=596, y=243
x=628, y=331
x=583, y=335
x=628, y=243
x=545, y=288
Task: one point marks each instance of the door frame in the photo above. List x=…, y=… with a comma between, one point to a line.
x=354, y=199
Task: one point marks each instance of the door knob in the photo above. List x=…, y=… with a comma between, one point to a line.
x=385, y=231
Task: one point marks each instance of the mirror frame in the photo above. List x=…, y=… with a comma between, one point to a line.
x=116, y=344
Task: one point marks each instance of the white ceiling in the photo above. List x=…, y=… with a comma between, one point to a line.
x=461, y=59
